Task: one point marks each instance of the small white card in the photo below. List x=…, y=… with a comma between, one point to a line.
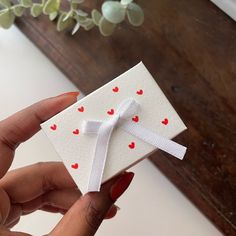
x=77, y=149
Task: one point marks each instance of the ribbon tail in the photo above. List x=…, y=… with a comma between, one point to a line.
x=144, y=134
x=152, y=138
x=100, y=156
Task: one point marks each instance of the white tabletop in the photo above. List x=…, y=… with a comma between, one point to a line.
x=152, y=205
x=228, y=6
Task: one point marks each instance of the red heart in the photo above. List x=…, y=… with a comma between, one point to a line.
x=111, y=112
x=76, y=131
x=53, y=127
x=115, y=89
x=132, y=145
x=140, y=92
x=81, y=109
x=75, y=166
x=165, y=121
x=135, y=119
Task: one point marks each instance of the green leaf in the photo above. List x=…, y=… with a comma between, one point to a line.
x=74, y=6
x=135, y=14
x=79, y=18
x=81, y=13
x=68, y=15
x=113, y=11
x=53, y=16
x=62, y=25
x=36, y=10
x=87, y=24
x=76, y=1
x=5, y=3
x=18, y=10
x=106, y=28
x=76, y=28
x=51, y=6
x=7, y=18
x=26, y=3
x=96, y=16
x=126, y=2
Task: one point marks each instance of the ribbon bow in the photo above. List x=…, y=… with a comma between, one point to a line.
x=126, y=109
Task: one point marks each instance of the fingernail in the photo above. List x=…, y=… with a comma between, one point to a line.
x=117, y=207
x=112, y=211
x=121, y=185
x=74, y=94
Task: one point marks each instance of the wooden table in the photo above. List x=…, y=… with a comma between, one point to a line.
x=189, y=46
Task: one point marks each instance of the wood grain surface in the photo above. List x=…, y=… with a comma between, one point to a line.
x=189, y=46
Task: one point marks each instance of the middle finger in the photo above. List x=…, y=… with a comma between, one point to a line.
x=27, y=183
x=58, y=200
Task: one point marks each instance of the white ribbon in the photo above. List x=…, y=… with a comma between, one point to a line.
x=126, y=109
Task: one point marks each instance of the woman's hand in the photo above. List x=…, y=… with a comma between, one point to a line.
x=48, y=186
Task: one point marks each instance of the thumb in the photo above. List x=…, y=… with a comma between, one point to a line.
x=86, y=215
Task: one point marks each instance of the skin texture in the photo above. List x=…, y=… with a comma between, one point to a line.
x=40, y=187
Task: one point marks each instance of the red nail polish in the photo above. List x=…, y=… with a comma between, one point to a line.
x=112, y=212
x=75, y=94
x=121, y=185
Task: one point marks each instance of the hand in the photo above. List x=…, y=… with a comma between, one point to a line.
x=48, y=186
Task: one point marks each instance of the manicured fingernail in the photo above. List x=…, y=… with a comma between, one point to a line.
x=74, y=94
x=121, y=185
x=118, y=208
x=112, y=211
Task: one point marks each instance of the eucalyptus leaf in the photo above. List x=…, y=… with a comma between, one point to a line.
x=126, y=2
x=135, y=14
x=51, y=6
x=79, y=18
x=62, y=25
x=113, y=11
x=96, y=16
x=81, y=13
x=106, y=28
x=26, y=3
x=53, y=16
x=76, y=1
x=7, y=18
x=36, y=10
x=18, y=10
x=74, y=6
x=5, y=3
x=68, y=15
x=76, y=28
x=87, y=24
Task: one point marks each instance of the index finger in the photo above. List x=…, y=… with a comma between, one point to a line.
x=24, y=124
